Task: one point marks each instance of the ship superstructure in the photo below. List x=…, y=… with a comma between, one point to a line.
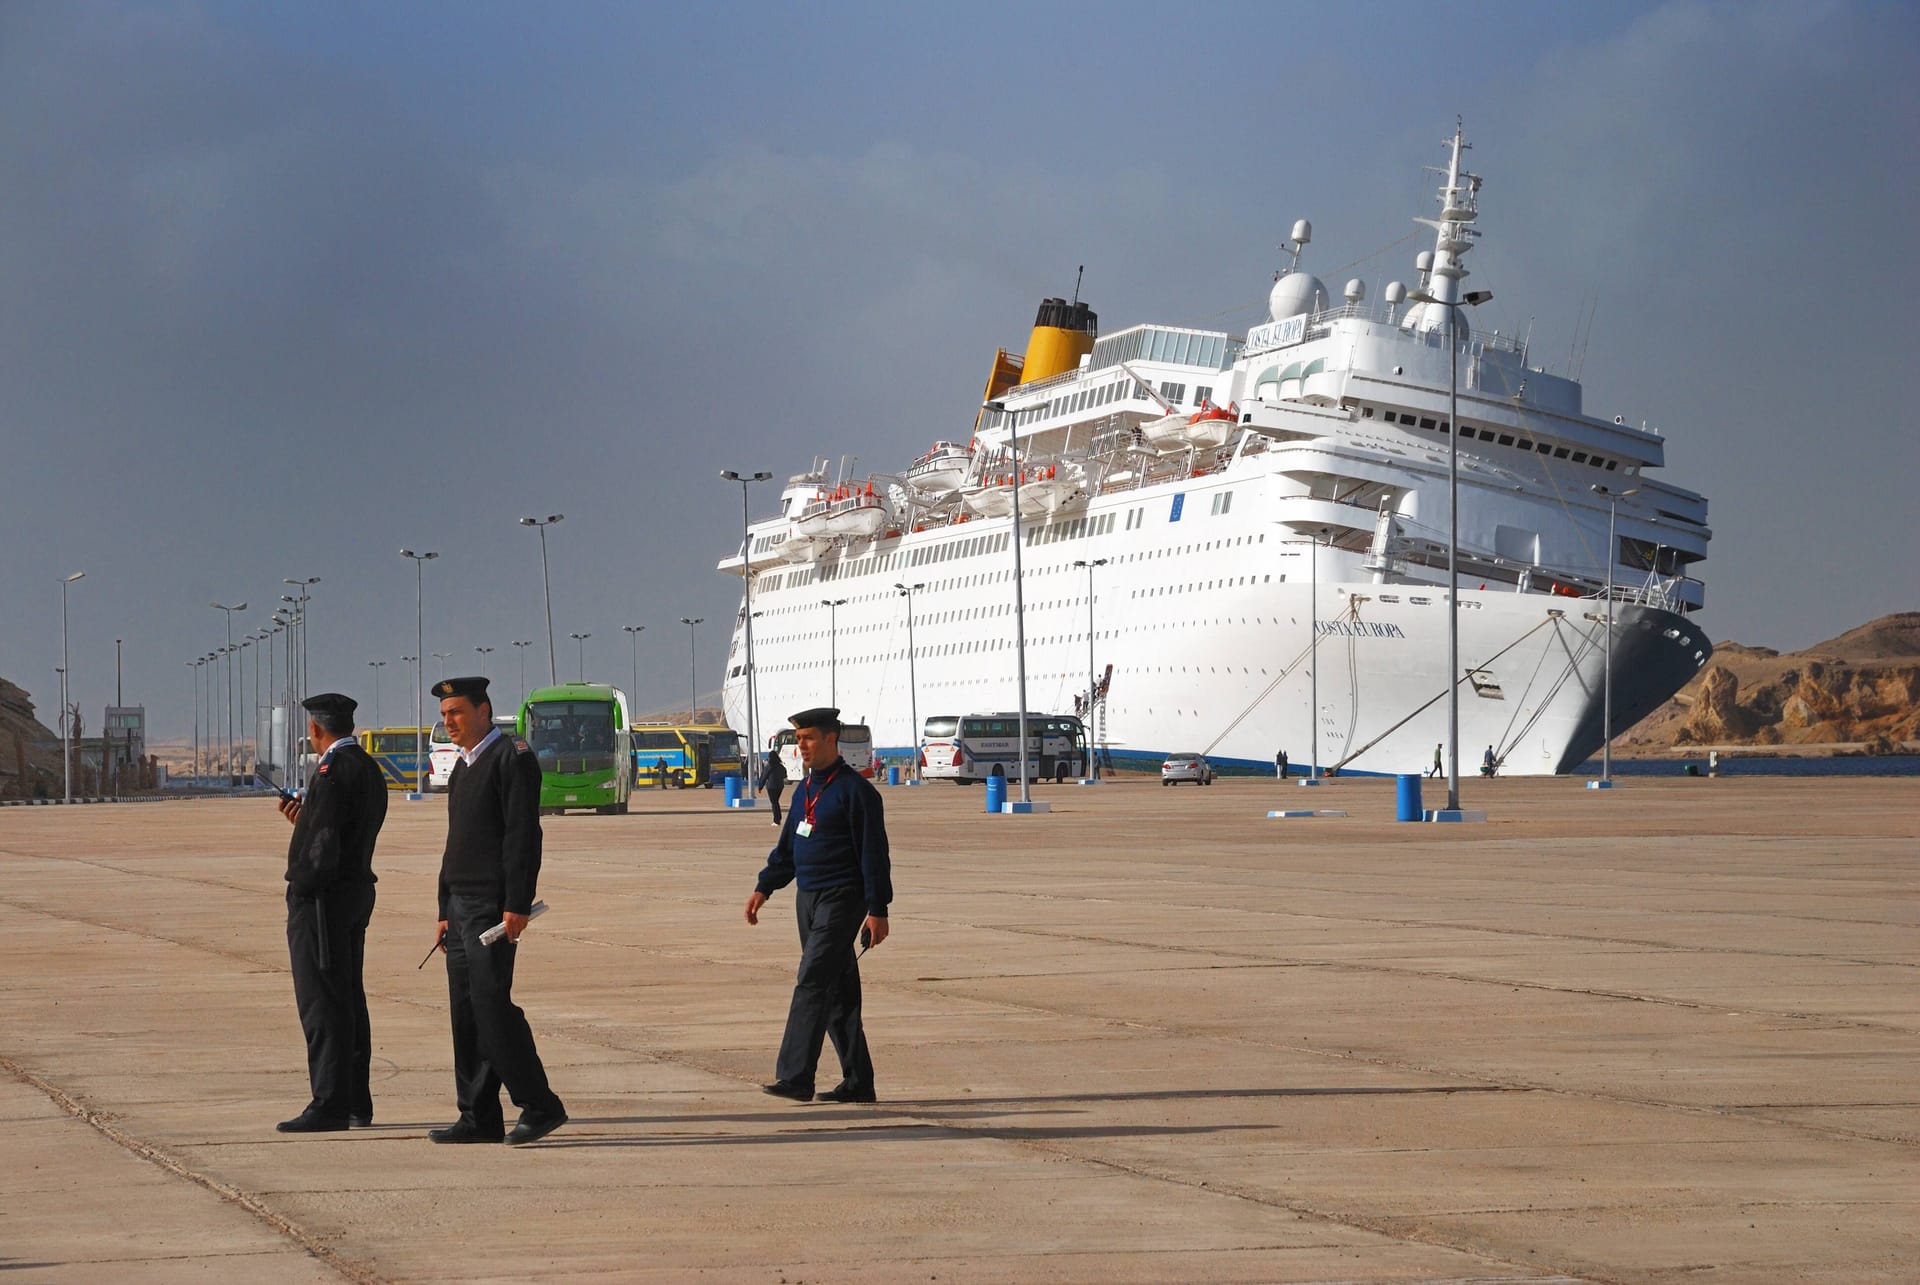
x=1229, y=500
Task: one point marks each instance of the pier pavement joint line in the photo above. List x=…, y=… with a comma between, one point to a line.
x=171, y=1164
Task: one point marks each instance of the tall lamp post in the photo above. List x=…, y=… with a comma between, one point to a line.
x=1449, y=283
x=581, y=640
x=913, y=687
x=297, y=677
x=833, y=606
x=1606, y=699
x=633, y=633
x=420, y=561
x=1019, y=594
x=377, y=666
x=746, y=610
x=1093, y=681
x=66, y=731
x=227, y=685
x=194, y=665
x=693, y=667
x=483, y=653
x=546, y=581
x=520, y=645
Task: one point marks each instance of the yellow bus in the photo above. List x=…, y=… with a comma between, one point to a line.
x=396, y=750
x=698, y=755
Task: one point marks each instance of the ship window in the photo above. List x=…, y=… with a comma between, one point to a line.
x=1610, y=464
x=1560, y=453
x=1366, y=412
x=1579, y=457
x=1544, y=448
x=1506, y=439
x=1390, y=417
x=1426, y=421
x=1203, y=393
x=1524, y=444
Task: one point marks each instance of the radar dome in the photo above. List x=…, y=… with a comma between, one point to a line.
x=1356, y=290
x=1302, y=231
x=1396, y=292
x=1295, y=293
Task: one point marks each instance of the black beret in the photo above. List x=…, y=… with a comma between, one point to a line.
x=331, y=703
x=474, y=689
x=823, y=716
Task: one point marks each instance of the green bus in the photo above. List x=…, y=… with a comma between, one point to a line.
x=578, y=731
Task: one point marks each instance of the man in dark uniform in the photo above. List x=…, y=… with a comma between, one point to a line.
x=834, y=844
x=773, y=779
x=329, y=901
x=487, y=877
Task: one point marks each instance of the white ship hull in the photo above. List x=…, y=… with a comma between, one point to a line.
x=1207, y=623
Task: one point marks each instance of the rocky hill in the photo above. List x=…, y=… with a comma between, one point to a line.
x=1859, y=692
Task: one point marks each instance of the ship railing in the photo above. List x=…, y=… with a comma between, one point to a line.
x=1320, y=324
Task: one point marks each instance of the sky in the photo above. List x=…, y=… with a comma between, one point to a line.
x=285, y=288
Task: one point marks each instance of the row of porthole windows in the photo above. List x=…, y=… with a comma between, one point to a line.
x=1498, y=438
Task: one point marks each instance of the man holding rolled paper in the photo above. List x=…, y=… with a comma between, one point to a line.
x=329, y=903
x=487, y=878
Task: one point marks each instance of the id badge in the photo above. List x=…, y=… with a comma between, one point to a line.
x=804, y=829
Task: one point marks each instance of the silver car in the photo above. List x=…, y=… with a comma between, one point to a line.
x=1186, y=767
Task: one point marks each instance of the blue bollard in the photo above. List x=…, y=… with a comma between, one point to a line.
x=893, y=774
x=1409, y=798
x=996, y=792
x=733, y=791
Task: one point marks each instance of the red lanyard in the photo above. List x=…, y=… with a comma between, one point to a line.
x=813, y=795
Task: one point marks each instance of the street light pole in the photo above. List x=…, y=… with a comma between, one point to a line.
x=746, y=610
x=443, y=657
x=194, y=665
x=377, y=666
x=296, y=727
x=520, y=645
x=833, y=606
x=580, y=639
x=693, y=668
x=419, y=561
x=1093, y=680
x=1606, y=699
x=227, y=685
x=633, y=633
x=546, y=581
x=913, y=687
x=66, y=689
x=1019, y=592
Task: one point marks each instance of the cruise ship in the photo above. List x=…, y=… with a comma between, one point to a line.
x=1238, y=544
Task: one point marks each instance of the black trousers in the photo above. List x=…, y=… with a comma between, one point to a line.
x=826, y=994
x=773, y=797
x=492, y=1043
x=332, y=998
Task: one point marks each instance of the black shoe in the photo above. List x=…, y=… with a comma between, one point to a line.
x=845, y=1092
x=361, y=1119
x=311, y=1121
x=465, y=1131
x=532, y=1128
x=787, y=1089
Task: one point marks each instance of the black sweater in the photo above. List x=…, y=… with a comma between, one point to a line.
x=493, y=828
x=848, y=843
x=339, y=820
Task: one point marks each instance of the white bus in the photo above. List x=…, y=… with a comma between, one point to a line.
x=970, y=748
x=856, y=747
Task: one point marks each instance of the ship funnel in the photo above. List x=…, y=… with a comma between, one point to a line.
x=1063, y=333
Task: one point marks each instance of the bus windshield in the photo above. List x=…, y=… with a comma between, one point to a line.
x=725, y=745
x=571, y=732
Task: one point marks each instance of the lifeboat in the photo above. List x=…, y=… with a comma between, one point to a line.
x=992, y=498
x=812, y=519
x=942, y=470
x=1209, y=426
x=857, y=512
x=1043, y=489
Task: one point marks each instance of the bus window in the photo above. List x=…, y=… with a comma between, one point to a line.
x=941, y=727
x=573, y=732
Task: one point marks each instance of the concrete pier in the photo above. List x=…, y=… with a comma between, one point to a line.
x=1667, y=1032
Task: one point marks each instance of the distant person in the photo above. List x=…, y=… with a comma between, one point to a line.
x=1436, y=760
x=1713, y=762
x=1280, y=764
x=660, y=771
x=1487, y=763
x=329, y=903
x=773, y=779
x=835, y=847
x=488, y=876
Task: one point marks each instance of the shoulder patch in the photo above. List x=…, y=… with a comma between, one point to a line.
x=520, y=744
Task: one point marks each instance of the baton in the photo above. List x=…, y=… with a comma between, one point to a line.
x=437, y=942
